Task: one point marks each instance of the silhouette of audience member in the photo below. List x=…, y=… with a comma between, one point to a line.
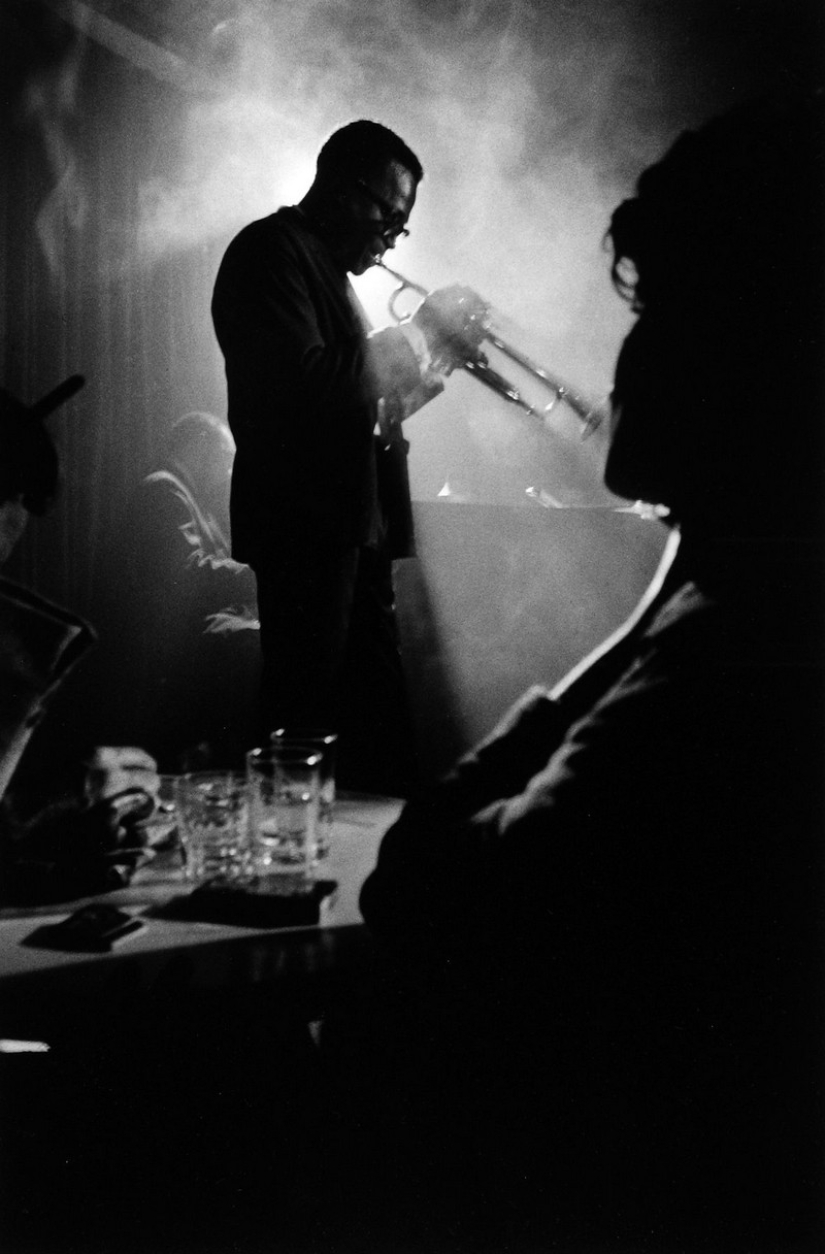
x=604, y=929
x=196, y=626
x=86, y=839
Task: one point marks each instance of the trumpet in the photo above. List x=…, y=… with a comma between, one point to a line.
x=480, y=326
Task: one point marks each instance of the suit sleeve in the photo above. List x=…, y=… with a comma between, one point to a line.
x=525, y=823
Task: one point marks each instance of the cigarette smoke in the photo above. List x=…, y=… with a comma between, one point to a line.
x=531, y=121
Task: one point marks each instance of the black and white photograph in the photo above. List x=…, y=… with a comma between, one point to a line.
x=412, y=627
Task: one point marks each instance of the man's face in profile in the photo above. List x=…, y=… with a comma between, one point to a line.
x=651, y=456
x=374, y=211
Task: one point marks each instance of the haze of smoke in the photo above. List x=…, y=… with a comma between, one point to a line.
x=509, y=108
x=531, y=121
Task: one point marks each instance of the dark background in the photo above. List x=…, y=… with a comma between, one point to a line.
x=137, y=137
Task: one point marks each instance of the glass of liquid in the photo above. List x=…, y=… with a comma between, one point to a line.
x=283, y=796
x=316, y=740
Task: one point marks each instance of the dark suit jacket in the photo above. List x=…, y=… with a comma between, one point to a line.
x=619, y=895
x=302, y=394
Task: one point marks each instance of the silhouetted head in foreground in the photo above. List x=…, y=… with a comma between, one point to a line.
x=719, y=387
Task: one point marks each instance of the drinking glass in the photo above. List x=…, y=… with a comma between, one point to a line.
x=316, y=740
x=210, y=807
x=284, y=785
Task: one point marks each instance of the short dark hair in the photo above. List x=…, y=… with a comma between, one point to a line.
x=722, y=254
x=737, y=204
x=359, y=148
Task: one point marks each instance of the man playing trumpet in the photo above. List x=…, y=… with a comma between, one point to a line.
x=320, y=501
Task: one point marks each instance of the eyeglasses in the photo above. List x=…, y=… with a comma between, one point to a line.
x=391, y=224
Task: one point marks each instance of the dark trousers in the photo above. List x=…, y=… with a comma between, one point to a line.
x=331, y=659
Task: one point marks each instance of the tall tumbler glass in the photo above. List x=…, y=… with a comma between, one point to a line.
x=318, y=740
x=210, y=807
x=283, y=788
